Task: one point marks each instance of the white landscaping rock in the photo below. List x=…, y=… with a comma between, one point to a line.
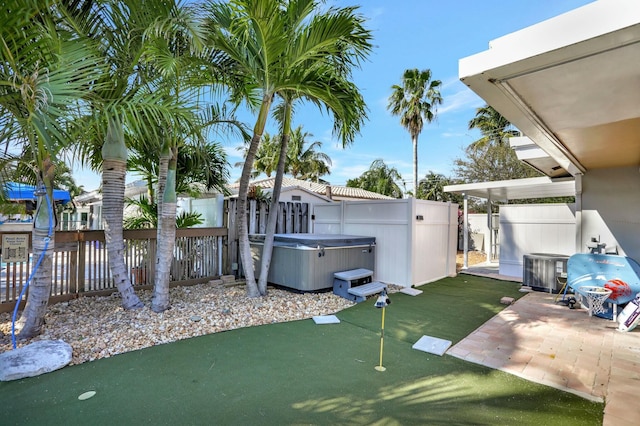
x=32, y=360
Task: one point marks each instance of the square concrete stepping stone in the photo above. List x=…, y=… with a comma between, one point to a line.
x=432, y=345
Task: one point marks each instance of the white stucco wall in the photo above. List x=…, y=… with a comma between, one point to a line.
x=611, y=209
x=288, y=194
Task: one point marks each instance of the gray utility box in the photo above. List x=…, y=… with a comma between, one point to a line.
x=545, y=271
x=307, y=262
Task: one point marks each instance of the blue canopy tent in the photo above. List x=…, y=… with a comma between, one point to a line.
x=16, y=191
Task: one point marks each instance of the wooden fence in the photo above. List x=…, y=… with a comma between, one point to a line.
x=293, y=218
x=80, y=263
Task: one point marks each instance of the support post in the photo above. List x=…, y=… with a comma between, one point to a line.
x=465, y=232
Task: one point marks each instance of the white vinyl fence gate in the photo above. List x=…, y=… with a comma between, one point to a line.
x=416, y=240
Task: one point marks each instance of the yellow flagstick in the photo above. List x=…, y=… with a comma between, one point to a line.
x=382, y=302
x=380, y=367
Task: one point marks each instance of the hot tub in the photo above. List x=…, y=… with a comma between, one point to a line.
x=307, y=262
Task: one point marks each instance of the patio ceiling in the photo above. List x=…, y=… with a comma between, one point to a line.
x=571, y=84
x=516, y=189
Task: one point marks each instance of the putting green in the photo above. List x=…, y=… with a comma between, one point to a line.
x=303, y=373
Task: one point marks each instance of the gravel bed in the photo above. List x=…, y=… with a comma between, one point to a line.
x=98, y=327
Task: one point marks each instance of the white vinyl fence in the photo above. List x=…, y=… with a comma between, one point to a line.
x=415, y=239
x=534, y=228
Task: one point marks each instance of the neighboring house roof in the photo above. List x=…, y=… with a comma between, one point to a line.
x=133, y=190
x=570, y=84
x=316, y=195
x=89, y=197
x=336, y=193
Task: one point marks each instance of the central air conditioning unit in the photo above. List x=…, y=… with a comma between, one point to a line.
x=545, y=271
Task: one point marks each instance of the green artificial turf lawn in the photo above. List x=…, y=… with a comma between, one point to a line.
x=303, y=373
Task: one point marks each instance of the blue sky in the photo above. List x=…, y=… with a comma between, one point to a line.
x=432, y=34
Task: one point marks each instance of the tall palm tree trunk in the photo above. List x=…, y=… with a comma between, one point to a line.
x=414, y=139
x=241, y=213
x=166, y=238
x=267, y=249
x=241, y=220
x=114, y=169
x=43, y=241
x=163, y=168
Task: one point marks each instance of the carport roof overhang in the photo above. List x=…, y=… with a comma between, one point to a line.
x=516, y=189
x=571, y=84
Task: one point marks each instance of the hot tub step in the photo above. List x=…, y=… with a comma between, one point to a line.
x=362, y=291
x=346, y=280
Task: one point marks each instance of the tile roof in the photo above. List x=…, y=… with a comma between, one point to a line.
x=342, y=192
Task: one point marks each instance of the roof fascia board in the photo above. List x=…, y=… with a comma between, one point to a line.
x=611, y=24
x=608, y=22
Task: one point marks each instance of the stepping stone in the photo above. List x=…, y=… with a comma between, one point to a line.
x=326, y=319
x=507, y=300
x=411, y=291
x=432, y=345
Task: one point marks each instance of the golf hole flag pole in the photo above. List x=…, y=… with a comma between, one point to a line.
x=382, y=302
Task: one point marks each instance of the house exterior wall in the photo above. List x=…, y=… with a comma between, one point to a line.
x=611, y=209
x=287, y=196
x=534, y=228
x=409, y=251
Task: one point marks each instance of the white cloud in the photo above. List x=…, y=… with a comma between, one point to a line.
x=463, y=98
x=233, y=152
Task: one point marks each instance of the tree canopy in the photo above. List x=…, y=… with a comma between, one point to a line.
x=304, y=159
x=416, y=101
x=380, y=178
x=431, y=187
x=495, y=129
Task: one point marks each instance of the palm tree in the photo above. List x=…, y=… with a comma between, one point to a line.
x=251, y=34
x=416, y=100
x=432, y=187
x=282, y=48
x=266, y=159
x=180, y=57
x=45, y=72
x=202, y=166
x=146, y=46
x=495, y=129
x=199, y=168
x=127, y=106
x=347, y=106
x=306, y=163
x=146, y=216
x=380, y=178
x=175, y=43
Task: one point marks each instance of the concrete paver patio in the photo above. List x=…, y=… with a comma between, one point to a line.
x=545, y=342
